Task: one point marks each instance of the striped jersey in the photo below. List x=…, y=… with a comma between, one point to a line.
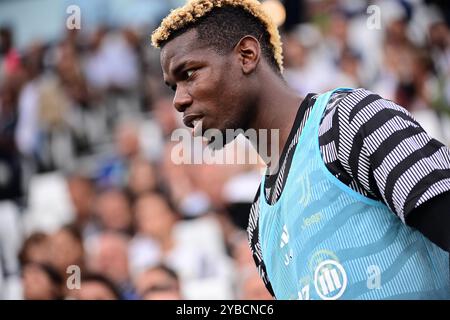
x=373, y=146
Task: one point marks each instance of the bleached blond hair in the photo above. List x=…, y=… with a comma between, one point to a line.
x=187, y=16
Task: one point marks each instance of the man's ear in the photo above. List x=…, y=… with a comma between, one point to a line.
x=248, y=50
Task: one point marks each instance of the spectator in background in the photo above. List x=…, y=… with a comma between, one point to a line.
x=11, y=182
x=41, y=282
x=158, y=283
x=112, y=62
x=9, y=57
x=296, y=63
x=95, y=286
x=42, y=104
x=82, y=195
x=349, y=63
x=154, y=225
x=336, y=33
x=167, y=119
x=71, y=124
x=28, y=125
x=142, y=178
x=112, y=209
x=94, y=68
x=112, y=68
x=113, y=171
x=35, y=249
x=249, y=285
x=186, y=182
x=439, y=49
x=108, y=255
x=10, y=169
x=158, y=241
x=439, y=45
x=66, y=249
x=439, y=41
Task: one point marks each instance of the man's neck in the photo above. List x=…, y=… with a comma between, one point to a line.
x=276, y=110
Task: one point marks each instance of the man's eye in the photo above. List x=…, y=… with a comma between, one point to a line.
x=189, y=73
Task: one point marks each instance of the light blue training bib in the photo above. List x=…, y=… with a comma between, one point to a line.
x=323, y=240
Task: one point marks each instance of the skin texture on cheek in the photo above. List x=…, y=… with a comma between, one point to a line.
x=231, y=96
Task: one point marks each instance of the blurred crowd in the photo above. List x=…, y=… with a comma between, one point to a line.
x=92, y=205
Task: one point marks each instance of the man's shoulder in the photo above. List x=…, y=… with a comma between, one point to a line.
x=348, y=99
x=357, y=104
x=357, y=100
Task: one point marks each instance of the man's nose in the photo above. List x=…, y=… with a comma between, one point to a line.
x=182, y=99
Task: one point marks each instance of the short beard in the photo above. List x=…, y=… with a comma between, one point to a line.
x=215, y=143
x=218, y=144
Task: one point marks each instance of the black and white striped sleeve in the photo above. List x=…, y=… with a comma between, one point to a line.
x=255, y=244
x=387, y=153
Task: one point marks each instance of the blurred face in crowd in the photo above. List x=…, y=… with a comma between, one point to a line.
x=65, y=250
x=113, y=211
x=68, y=65
x=165, y=115
x=175, y=175
x=127, y=140
x=110, y=257
x=82, y=196
x=157, y=284
x=36, y=249
x=142, y=177
x=440, y=35
x=349, y=63
x=33, y=60
x=154, y=217
x=294, y=52
x=94, y=290
x=37, y=284
x=5, y=97
x=5, y=40
x=216, y=175
x=396, y=32
x=338, y=28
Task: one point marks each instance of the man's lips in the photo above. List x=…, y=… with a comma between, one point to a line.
x=189, y=119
